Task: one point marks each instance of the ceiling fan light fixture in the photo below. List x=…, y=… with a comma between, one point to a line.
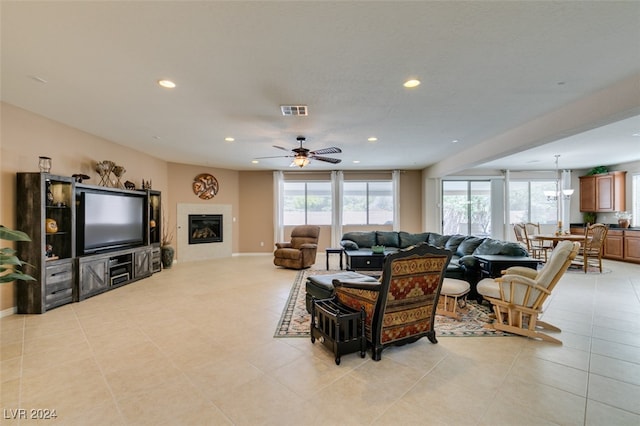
x=300, y=160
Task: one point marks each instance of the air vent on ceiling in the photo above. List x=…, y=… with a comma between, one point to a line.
x=294, y=109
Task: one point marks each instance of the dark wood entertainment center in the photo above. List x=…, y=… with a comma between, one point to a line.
x=49, y=211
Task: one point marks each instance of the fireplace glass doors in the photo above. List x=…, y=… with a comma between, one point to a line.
x=205, y=228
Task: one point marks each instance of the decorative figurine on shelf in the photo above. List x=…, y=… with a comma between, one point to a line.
x=146, y=184
x=129, y=185
x=49, y=194
x=48, y=250
x=105, y=168
x=51, y=226
x=79, y=177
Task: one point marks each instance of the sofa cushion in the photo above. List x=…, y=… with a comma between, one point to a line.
x=387, y=238
x=437, y=239
x=491, y=246
x=513, y=249
x=453, y=242
x=468, y=245
x=349, y=245
x=362, y=239
x=407, y=239
x=468, y=261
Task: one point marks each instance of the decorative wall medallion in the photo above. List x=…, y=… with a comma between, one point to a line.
x=205, y=186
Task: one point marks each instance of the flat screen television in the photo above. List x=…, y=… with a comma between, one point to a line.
x=110, y=220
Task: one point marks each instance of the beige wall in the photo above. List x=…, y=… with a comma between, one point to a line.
x=25, y=136
x=181, y=192
x=256, y=212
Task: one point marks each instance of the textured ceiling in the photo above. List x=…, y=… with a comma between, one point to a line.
x=498, y=77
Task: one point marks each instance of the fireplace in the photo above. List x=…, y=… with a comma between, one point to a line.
x=205, y=228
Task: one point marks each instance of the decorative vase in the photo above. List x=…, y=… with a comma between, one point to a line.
x=167, y=253
x=623, y=223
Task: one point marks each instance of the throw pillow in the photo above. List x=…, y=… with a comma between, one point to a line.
x=349, y=245
x=362, y=239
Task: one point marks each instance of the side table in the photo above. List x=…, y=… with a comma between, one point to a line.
x=492, y=265
x=337, y=327
x=337, y=251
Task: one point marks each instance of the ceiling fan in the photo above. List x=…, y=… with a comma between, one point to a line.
x=302, y=156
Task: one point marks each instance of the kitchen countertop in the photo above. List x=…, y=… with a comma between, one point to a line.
x=610, y=225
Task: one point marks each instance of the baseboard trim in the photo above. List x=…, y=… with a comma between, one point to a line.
x=9, y=311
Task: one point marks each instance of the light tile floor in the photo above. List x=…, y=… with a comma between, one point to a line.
x=194, y=345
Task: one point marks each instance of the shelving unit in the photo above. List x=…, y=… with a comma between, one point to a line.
x=43, y=196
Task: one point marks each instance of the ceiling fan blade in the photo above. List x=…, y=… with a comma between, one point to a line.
x=279, y=147
x=273, y=156
x=330, y=150
x=327, y=159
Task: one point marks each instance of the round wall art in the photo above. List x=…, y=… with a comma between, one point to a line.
x=205, y=186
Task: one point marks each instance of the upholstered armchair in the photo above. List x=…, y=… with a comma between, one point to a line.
x=401, y=308
x=518, y=295
x=300, y=252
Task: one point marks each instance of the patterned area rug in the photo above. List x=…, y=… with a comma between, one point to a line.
x=295, y=320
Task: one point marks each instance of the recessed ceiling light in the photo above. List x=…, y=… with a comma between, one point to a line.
x=356, y=161
x=167, y=84
x=255, y=161
x=411, y=83
x=636, y=135
x=229, y=139
x=455, y=141
x=373, y=139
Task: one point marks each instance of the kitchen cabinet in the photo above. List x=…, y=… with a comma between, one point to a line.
x=603, y=192
x=614, y=245
x=632, y=246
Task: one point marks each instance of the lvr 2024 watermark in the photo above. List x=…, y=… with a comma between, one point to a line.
x=29, y=414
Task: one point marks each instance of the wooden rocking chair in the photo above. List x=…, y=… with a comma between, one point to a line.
x=518, y=296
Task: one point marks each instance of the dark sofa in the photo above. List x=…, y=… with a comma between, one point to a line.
x=463, y=264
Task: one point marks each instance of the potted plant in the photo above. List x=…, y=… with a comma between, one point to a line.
x=590, y=218
x=167, y=251
x=10, y=264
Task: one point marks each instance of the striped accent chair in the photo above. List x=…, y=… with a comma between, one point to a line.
x=401, y=307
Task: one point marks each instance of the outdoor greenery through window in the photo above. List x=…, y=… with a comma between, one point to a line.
x=367, y=203
x=527, y=202
x=466, y=207
x=307, y=203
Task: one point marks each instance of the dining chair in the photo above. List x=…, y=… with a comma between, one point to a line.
x=539, y=249
x=590, y=253
x=521, y=236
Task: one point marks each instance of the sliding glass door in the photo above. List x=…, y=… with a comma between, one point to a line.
x=466, y=207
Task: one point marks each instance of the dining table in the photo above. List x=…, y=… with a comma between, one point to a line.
x=556, y=238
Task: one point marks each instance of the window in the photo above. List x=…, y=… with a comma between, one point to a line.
x=635, y=200
x=466, y=207
x=307, y=203
x=527, y=202
x=367, y=203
